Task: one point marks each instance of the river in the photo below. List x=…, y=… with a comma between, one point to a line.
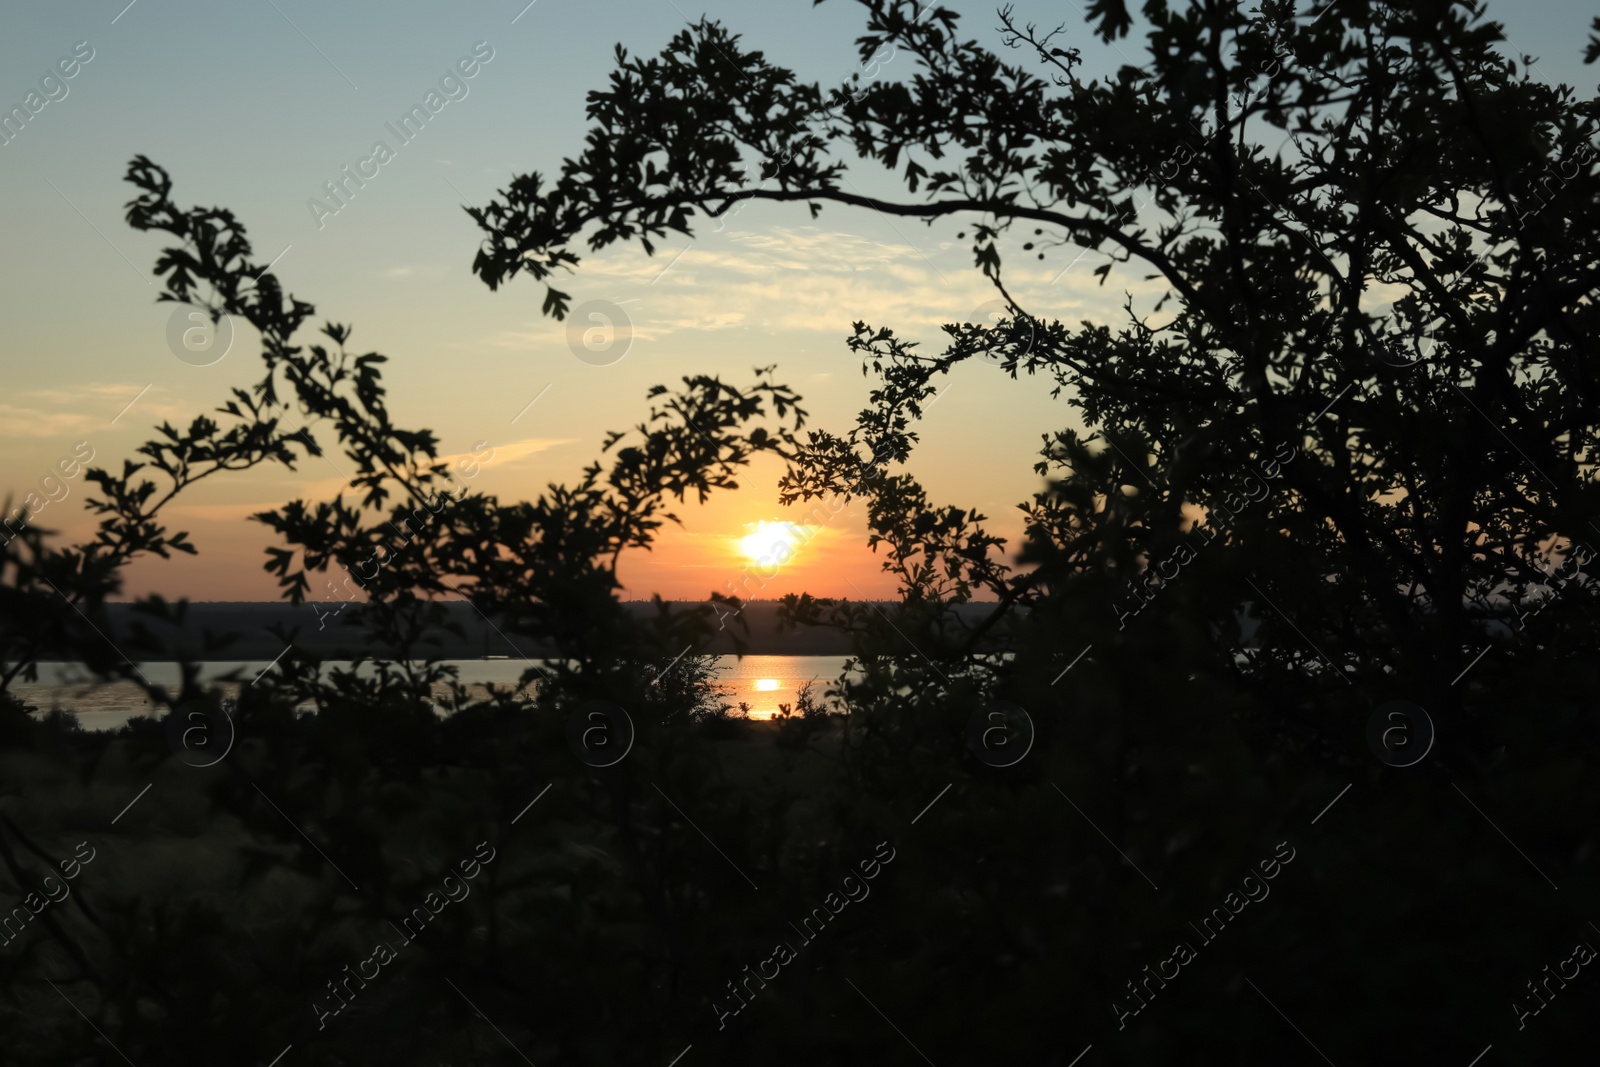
x=763, y=682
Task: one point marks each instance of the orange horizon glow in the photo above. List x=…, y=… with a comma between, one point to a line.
x=741, y=543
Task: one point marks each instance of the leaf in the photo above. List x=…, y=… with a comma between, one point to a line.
x=1112, y=16
x=556, y=303
x=914, y=173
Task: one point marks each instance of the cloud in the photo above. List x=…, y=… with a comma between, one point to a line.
x=109, y=390
x=509, y=452
x=327, y=488
x=550, y=332
x=424, y=270
x=742, y=254
x=36, y=422
x=90, y=406
x=810, y=281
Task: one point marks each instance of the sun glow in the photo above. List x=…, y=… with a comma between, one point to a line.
x=767, y=685
x=771, y=543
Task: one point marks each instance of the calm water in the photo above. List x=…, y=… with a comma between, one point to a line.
x=763, y=682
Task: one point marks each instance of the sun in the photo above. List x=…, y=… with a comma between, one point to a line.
x=771, y=543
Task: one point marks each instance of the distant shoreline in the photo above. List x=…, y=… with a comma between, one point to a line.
x=253, y=626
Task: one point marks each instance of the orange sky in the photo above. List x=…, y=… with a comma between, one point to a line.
x=817, y=549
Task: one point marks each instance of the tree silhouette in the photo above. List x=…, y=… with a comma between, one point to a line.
x=1344, y=457
x=1369, y=229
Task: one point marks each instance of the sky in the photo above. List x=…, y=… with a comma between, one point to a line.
x=255, y=105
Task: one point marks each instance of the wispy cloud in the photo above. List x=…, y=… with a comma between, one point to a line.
x=326, y=485
x=37, y=422
x=424, y=270
x=81, y=409
x=814, y=281
x=509, y=452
